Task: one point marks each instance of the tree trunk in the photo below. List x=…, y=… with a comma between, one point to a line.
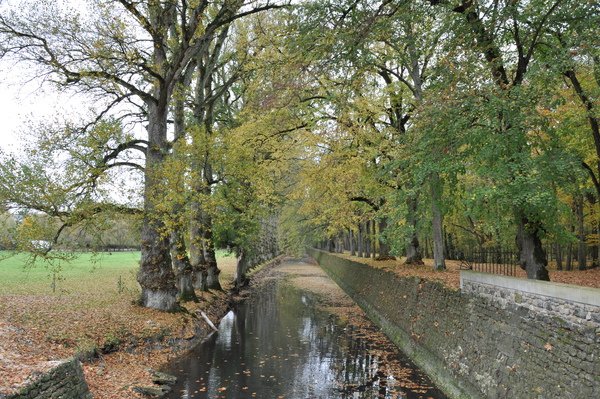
x=204, y=115
x=196, y=247
x=413, y=251
x=330, y=245
x=374, y=239
x=346, y=235
x=183, y=268
x=359, y=241
x=439, y=261
x=449, y=245
x=156, y=272
x=581, y=250
x=532, y=257
x=384, y=248
x=559, y=256
x=596, y=247
x=212, y=271
x=367, y=238
x=206, y=229
x=212, y=275
x=240, y=270
x=181, y=262
x=352, y=246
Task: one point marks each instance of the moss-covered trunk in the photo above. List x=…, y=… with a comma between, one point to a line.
x=156, y=273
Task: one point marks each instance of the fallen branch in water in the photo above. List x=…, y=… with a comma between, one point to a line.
x=210, y=323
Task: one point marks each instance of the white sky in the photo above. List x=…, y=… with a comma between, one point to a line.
x=16, y=102
x=22, y=102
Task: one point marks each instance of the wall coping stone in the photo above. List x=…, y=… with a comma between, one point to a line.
x=567, y=292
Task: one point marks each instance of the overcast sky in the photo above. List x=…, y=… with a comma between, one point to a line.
x=15, y=104
x=22, y=101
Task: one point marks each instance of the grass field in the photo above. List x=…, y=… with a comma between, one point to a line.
x=84, y=272
x=53, y=311
x=111, y=273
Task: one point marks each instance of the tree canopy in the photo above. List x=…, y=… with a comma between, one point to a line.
x=426, y=128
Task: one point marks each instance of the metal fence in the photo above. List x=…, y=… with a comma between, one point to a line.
x=494, y=260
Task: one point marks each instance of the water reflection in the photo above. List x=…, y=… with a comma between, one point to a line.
x=278, y=345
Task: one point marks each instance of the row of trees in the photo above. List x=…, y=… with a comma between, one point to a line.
x=199, y=77
x=410, y=121
x=120, y=232
x=476, y=120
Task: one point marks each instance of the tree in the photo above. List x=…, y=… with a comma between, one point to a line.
x=8, y=226
x=501, y=33
x=58, y=176
x=133, y=51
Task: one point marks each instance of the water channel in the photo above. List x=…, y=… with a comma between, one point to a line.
x=298, y=336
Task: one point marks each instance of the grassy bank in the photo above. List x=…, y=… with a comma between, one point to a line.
x=86, y=307
x=108, y=273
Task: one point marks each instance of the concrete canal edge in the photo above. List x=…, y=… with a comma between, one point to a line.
x=495, y=339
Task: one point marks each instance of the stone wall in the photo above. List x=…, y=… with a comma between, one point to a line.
x=577, y=306
x=485, y=342
x=65, y=381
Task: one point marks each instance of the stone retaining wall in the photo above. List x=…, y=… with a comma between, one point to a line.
x=485, y=342
x=578, y=306
x=65, y=381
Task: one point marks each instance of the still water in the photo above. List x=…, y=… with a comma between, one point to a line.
x=285, y=342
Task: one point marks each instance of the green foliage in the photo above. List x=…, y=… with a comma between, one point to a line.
x=324, y=114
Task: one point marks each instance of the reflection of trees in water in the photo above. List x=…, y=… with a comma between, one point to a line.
x=278, y=343
x=361, y=371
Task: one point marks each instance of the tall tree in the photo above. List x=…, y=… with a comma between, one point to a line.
x=508, y=37
x=131, y=51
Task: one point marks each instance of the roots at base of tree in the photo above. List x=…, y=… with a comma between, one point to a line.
x=414, y=262
x=532, y=257
x=212, y=278
x=159, y=299
x=188, y=297
x=186, y=291
x=385, y=257
x=241, y=283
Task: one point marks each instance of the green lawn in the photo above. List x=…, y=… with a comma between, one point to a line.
x=93, y=303
x=112, y=272
x=85, y=271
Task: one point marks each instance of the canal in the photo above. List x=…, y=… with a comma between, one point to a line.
x=297, y=336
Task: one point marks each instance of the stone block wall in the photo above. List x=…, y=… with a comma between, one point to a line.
x=65, y=381
x=577, y=306
x=484, y=342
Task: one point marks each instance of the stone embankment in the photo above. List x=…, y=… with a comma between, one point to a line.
x=65, y=381
x=499, y=337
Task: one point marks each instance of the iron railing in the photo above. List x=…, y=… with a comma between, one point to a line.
x=493, y=260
